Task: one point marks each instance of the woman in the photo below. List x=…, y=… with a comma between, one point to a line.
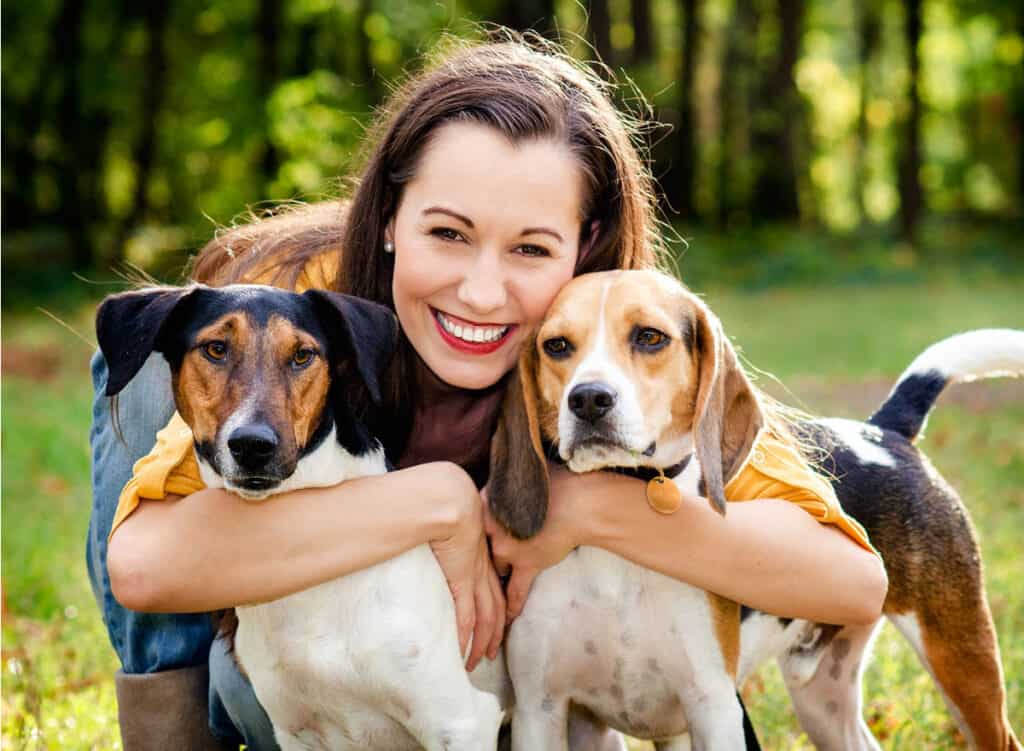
x=502, y=171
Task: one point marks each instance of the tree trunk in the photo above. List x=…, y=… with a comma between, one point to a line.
x=71, y=131
x=778, y=125
x=368, y=74
x=599, y=27
x=153, y=87
x=529, y=15
x=740, y=81
x=269, y=23
x=911, y=195
x=868, y=32
x=685, y=162
x=643, y=31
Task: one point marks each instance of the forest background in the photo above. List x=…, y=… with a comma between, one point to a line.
x=842, y=179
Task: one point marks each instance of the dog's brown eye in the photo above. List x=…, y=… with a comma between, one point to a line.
x=302, y=358
x=649, y=339
x=559, y=346
x=216, y=351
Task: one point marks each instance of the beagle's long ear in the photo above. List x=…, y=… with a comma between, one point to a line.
x=129, y=327
x=365, y=329
x=728, y=414
x=517, y=488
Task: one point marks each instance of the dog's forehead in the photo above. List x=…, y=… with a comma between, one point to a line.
x=258, y=303
x=586, y=298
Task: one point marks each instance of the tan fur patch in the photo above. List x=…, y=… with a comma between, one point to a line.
x=257, y=366
x=725, y=616
x=304, y=392
x=208, y=393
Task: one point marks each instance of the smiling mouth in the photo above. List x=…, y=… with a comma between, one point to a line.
x=466, y=336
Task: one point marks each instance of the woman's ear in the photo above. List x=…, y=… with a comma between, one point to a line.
x=517, y=488
x=728, y=415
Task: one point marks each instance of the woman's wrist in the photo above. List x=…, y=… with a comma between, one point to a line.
x=452, y=497
x=602, y=508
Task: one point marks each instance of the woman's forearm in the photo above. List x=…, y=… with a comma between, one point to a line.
x=213, y=550
x=768, y=554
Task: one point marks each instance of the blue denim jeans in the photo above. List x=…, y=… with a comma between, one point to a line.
x=151, y=642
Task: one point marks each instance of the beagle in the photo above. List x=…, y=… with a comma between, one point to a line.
x=281, y=392
x=631, y=370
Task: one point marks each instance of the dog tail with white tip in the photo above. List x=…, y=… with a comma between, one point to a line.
x=985, y=353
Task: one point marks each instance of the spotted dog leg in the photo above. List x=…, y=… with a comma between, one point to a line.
x=828, y=700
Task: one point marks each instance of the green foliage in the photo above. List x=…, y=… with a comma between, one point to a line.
x=248, y=112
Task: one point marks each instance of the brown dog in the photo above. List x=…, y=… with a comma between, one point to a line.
x=631, y=370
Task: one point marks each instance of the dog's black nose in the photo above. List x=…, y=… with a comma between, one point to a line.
x=592, y=401
x=253, y=446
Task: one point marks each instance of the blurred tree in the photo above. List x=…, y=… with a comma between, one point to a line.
x=684, y=167
x=67, y=45
x=643, y=32
x=778, y=123
x=153, y=85
x=269, y=23
x=599, y=27
x=736, y=90
x=911, y=195
x=368, y=75
x=868, y=30
x=529, y=15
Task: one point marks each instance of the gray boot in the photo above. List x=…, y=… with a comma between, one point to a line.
x=166, y=710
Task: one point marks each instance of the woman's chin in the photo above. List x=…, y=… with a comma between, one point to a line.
x=468, y=377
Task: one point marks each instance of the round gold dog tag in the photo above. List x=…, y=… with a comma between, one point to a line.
x=663, y=495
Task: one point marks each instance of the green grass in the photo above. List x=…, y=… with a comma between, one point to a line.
x=831, y=345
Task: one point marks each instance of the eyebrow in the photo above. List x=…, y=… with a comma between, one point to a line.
x=440, y=210
x=469, y=223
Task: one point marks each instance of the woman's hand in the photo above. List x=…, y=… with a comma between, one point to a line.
x=466, y=562
x=524, y=559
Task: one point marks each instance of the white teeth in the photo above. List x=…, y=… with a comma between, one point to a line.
x=474, y=334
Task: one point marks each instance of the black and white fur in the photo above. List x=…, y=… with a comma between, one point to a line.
x=367, y=661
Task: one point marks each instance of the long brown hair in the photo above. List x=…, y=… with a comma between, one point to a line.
x=526, y=88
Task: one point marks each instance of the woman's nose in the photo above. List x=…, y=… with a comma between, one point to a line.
x=482, y=289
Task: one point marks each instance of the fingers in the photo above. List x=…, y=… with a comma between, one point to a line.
x=518, y=588
x=499, y=610
x=465, y=617
x=486, y=611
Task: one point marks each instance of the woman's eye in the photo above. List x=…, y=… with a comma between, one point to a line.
x=302, y=358
x=215, y=351
x=648, y=338
x=447, y=233
x=558, y=347
x=533, y=251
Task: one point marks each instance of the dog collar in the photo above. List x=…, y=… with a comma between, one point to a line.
x=663, y=495
x=650, y=473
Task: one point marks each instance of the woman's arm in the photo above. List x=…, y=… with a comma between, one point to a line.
x=212, y=550
x=768, y=554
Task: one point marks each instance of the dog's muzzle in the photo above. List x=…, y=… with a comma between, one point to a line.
x=254, y=449
x=590, y=402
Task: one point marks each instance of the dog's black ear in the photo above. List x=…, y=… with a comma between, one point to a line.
x=369, y=331
x=517, y=487
x=129, y=327
x=728, y=412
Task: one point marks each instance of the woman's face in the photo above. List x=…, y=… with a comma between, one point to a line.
x=485, y=235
